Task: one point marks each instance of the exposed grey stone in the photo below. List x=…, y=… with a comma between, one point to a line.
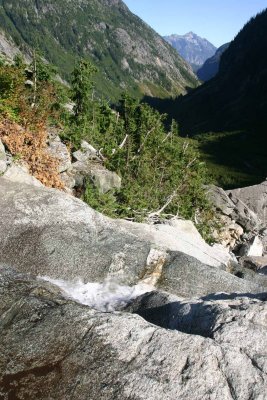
x=78, y=171
x=185, y=276
x=105, y=180
x=236, y=219
x=102, y=178
x=61, y=237
x=3, y=158
x=245, y=272
x=244, y=216
x=8, y=47
x=181, y=235
x=54, y=348
x=20, y=174
x=86, y=153
x=205, y=316
x=224, y=318
x=69, y=107
x=80, y=156
x=253, y=248
x=60, y=151
x=255, y=263
x=255, y=197
x=67, y=180
x=3, y=166
x=263, y=236
x=85, y=146
x=2, y=151
x=220, y=199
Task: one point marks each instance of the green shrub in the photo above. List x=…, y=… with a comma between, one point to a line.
x=162, y=174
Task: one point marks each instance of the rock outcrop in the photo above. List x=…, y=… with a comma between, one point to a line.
x=54, y=348
x=242, y=222
x=19, y=173
x=255, y=197
x=206, y=316
x=46, y=232
x=154, y=346
x=82, y=172
x=60, y=151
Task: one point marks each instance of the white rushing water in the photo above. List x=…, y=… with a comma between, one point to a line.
x=107, y=296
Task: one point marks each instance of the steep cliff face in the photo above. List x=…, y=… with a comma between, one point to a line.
x=128, y=53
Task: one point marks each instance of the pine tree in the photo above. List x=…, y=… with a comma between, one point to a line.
x=82, y=86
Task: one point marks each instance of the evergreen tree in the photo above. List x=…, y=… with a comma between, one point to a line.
x=82, y=86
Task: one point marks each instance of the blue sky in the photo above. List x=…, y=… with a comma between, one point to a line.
x=217, y=20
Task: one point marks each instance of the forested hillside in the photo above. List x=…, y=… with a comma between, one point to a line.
x=236, y=98
x=231, y=109
x=127, y=52
x=210, y=68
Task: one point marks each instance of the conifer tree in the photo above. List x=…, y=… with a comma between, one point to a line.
x=82, y=86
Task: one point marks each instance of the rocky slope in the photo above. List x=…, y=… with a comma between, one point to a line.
x=55, y=347
x=240, y=215
x=210, y=67
x=127, y=52
x=192, y=48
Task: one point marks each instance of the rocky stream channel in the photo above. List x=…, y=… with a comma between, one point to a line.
x=94, y=308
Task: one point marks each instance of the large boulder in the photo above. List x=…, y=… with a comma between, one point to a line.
x=86, y=152
x=220, y=200
x=105, y=180
x=54, y=348
x=47, y=232
x=94, y=172
x=59, y=150
x=245, y=217
x=19, y=174
x=255, y=197
x=185, y=276
x=233, y=207
x=89, y=167
x=253, y=248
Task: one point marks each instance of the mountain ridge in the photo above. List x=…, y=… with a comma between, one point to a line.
x=128, y=53
x=210, y=67
x=236, y=97
x=193, y=48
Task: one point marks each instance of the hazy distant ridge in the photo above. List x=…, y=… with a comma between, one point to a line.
x=192, y=48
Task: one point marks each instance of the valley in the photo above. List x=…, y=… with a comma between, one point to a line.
x=133, y=205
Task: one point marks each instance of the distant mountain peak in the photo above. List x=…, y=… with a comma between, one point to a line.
x=190, y=34
x=193, y=48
